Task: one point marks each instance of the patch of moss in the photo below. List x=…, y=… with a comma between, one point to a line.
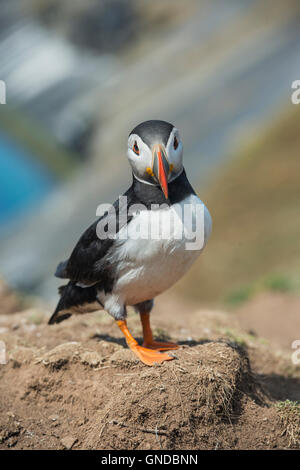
x=278, y=283
x=239, y=296
x=273, y=282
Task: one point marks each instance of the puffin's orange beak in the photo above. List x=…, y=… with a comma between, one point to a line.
x=161, y=168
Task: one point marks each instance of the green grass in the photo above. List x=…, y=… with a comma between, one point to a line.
x=239, y=296
x=279, y=283
x=272, y=283
x=241, y=339
x=234, y=337
x=288, y=405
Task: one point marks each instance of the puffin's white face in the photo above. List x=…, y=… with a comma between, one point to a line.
x=155, y=153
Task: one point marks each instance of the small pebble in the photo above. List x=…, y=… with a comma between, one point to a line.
x=68, y=442
x=53, y=417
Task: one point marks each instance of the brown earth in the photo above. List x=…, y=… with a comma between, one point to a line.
x=9, y=301
x=76, y=385
x=274, y=316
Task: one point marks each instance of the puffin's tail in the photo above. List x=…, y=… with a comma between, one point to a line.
x=75, y=299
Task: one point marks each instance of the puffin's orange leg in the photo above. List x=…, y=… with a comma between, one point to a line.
x=147, y=356
x=149, y=342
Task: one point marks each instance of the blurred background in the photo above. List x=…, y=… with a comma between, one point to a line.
x=80, y=75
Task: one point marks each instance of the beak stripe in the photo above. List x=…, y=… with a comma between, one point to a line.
x=161, y=169
x=162, y=175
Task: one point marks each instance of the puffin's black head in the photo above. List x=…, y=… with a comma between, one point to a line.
x=155, y=153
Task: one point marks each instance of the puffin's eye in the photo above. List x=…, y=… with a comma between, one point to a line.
x=175, y=143
x=136, y=148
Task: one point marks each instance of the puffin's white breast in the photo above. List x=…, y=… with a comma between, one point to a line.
x=153, y=251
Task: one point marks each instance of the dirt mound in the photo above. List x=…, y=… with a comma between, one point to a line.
x=116, y=402
x=76, y=386
x=73, y=397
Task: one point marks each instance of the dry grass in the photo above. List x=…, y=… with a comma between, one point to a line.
x=289, y=414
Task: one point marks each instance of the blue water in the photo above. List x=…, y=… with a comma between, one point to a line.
x=24, y=182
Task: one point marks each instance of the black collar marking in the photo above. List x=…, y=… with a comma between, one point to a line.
x=143, y=193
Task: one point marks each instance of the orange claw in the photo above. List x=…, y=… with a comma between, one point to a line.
x=147, y=356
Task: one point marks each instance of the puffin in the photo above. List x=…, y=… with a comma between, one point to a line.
x=140, y=246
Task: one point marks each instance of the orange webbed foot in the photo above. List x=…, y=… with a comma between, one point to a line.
x=149, y=356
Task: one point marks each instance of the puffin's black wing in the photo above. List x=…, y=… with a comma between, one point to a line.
x=87, y=264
